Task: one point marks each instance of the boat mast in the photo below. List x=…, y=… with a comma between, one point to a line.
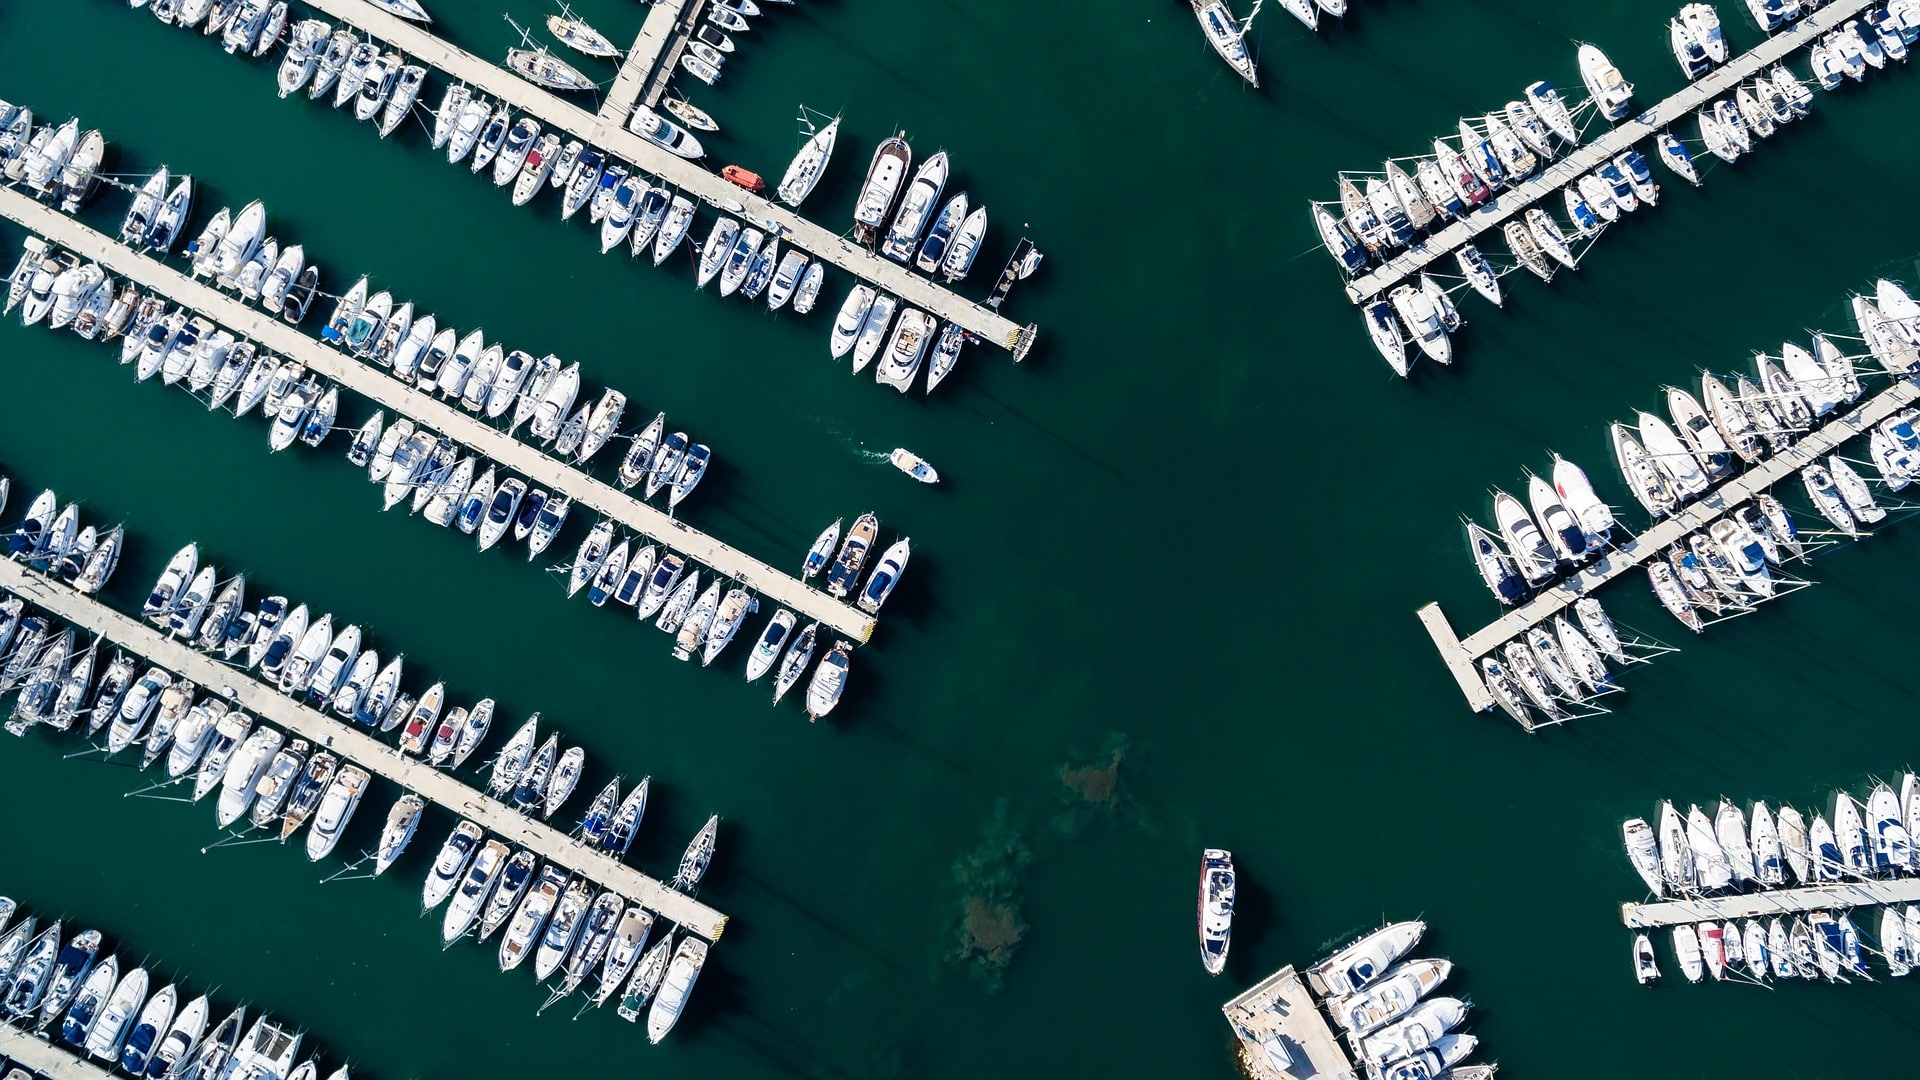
x=1248, y=21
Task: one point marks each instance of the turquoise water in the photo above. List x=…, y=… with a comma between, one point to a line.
x=1183, y=542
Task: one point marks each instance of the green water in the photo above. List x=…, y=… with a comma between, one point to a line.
x=1186, y=537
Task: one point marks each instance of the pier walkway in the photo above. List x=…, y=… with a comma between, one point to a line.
x=1461, y=655
x=45, y=1059
x=355, y=745
x=1871, y=892
x=541, y=470
x=663, y=27
x=612, y=135
x=1584, y=159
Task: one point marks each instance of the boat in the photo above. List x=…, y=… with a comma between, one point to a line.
x=1594, y=516
x=1525, y=248
x=808, y=164
x=1700, y=434
x=1216, y=908
x=542, y=68
x=885, y=176
x=1525, y=542
x=665, y=134
x=576, y=34
x=906, y=349
x=670, y=1001
x=829, y=680
x=1228, y=37
x=1853, y=492
x=1611, y=92
x=563, y=929
x=1671, y=457
x=107, y=1034
x=686, y=111
x=474, y=889
x=72, y=968
x=1564, y=535
x=916, y=208
x=674, y=229
x=336, y=806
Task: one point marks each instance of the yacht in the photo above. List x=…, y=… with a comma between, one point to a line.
x=1495, y=565
x=108, y=1032
x=675, y=987
x=873, y=331
x=1671, y=457
x=562, y=929
x=665, y=134
x=1227, y=36
x=829, y=680
x=1611, y=92
x=243, y=772
x=1526, y=543
x=1674, y=153
x=529, y=917
x=1563, y=532
x=1702, y=437
x=474, y=889
x=1216, y=908
x=886, y=575
x=1576, y=493
x=1422, y=320
x=542, y=68
x=1854, y=492
x=885, y=176
x=336, y=806
x=906, y=349
x=270, y=792
x=808, y=165
x=916, y=208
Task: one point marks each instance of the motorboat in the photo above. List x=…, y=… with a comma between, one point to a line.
x=1699, y=433
x=677, y=984
x=885, y=177
x=1853, y=492
x=917, y=208
x=665, y=134
x=1672, y=457
x=1611, y=91
x=1529, y=547
x=336, y=806
x=829, y=680
x=1216, y=908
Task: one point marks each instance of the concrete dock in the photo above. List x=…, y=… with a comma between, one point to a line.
x=541, y=470
x=611, y=135
x=355, y=745
x=22, y=1051
x=1284, y=1035
x=1584, y=159
x=665, y=26
x=1461, y=655
x=1760, y=905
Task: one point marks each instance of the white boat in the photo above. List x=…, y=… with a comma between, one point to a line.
x=906, y=349
x=917, y=207
x=829, y=680
x=542, y=68
x=1611, y=91
x=665, y=134
x=675, y=987
x=808, y=165
x=1227, y=36
x=574, y=33
x=885, y=177
x=336, y=807
x=1854, y=492
x=1215, y=908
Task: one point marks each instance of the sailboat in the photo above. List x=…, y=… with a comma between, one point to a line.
x=1228, y=37
x=542, y=68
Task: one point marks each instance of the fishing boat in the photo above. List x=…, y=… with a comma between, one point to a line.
x=1216, y=908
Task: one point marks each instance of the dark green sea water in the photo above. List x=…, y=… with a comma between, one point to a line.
x=1178, y=550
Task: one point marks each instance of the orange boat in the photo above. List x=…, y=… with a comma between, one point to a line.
x=745, y=178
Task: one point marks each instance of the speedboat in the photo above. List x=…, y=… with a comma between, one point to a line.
x=1611, y=92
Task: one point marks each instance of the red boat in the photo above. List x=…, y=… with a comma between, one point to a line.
x=745, y=178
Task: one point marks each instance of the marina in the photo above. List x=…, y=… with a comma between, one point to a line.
x=1754, y=905
x=369, y=753
x=26, y=1057
x=1461, y=654
x=1396, y=1026
x=1591, y=155
x=643, y=73
x=613, y=136
x=389, y=393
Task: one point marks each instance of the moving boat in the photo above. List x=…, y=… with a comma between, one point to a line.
x=1216, y=908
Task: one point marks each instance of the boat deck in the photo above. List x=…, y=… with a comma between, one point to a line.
x=355, y=745
x=1770, y=902
x=611, y=134
x=540, y=469
x=1461, y=655
x=642, y=73
x=1585, y=158
x=24, y=1053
